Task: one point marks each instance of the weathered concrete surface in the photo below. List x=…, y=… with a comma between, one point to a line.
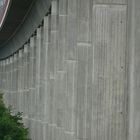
x=134, y=81
x=77, y=77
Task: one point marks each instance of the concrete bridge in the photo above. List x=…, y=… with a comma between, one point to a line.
x=73, y=67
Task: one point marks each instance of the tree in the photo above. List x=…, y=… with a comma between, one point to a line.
x=11, y=126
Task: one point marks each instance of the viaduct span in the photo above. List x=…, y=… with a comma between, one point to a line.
x=72, y=67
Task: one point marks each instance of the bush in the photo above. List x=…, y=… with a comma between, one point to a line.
x=11, y=126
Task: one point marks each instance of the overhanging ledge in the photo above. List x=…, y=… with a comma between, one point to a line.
x=13, y=42
x=13, y=13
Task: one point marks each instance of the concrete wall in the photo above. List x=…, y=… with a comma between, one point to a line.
x=75, y=77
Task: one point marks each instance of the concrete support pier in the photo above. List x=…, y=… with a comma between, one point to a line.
x=77, y=76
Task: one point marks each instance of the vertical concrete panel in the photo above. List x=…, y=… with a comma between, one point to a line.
x=81, y=91
x=46, y=43
x=70, y=96
x=8, y=102
x=84, y=74
x=51, y=100
x=23, y=82
x=50, y=75
x=18, y=75
x=69, y=136
x=109, y=38
x=59, y=134
x=15, y=75
x=89, y=95
x=9, y=81
x=61, y=41
x=52, y=53
x=63, y=7
x=5, y=77
x=31, y=79
x=33, y=130
x=29, y=65
x=60, y=92
x=52, y=49
x=20, y=78
x=6, y=95
x=43, y=67
x=1, y=74
x=62, y=32
x=71, y=36
x=38, y=59
x=5, y=90
x=111, y=1
x=26, y=80
x=83, y=16
x=42, y=76
x=12, y=82
x=34, y=77
x=5, y=74
x=8, y=86
x=134, y=51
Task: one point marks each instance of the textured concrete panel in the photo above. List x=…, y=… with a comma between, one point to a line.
x=81, y=91
x=63, y=7
x=109, y=97
x=62, y=32
x=60, y=92
x=84, y=18
x=70, y=96
x=71, y=30
x=52, y=48
x=111, y=1
x=134, y=82
x=89, y=95
x=38, y=60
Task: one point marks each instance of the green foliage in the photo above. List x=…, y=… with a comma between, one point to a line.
x=11, y=127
